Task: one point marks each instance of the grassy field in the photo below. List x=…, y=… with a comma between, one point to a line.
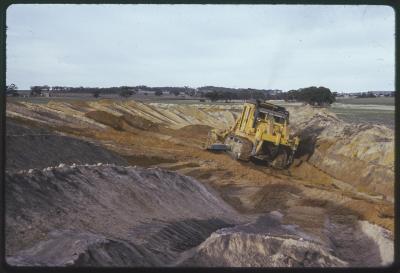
x=354, y=115
x=375, y=101
x=369, y=110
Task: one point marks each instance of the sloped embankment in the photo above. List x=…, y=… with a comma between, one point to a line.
x=272, y=244
x=28, y=148
x=112, y=215
x=361, y=155
x=264, y=241
x=122, y=115
x=108, y=215
x=159, y=211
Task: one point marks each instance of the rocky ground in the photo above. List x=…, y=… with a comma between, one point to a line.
x=333, y=207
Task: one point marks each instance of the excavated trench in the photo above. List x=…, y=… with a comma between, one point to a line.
x=207, y=210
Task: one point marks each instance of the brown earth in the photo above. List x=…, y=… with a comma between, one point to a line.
x=338, y=162
x=342, y=173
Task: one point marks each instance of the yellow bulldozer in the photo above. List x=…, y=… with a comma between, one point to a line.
x=260, y=133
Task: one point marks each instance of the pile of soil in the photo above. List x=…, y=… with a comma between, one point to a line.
x=118, y=202
x=267, y=242
x=262, y=242
x=108, y=215
x=28, y=148
x=122, y=122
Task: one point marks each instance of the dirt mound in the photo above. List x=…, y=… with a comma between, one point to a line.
x=194, y=130
x=191, y=135
x=256, y=250
x=75, y=248
x=108, y=200
x=124, y=122
x=117, y=113
x=28, y=148
x=342, y=174
x=382, y=238
x=129, y=216
x=267, y=242
x=14, y=128
x=52, y=115
x=263, y=243
x=217, y=116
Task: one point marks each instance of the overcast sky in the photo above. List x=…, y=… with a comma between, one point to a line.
x=345, y=48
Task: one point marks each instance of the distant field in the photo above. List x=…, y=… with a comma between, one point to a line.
x=383, y=117
x=361, y=110
x=370, y=110
x=376, y=101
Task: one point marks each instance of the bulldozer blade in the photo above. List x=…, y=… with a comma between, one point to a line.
x=218, y=147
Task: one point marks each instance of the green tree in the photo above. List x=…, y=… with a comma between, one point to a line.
x=312, y=95
x=11, y=87
x=11, y=90
x=36, y=91
x=96, y=93
x=174, y=92
x=213, y=95
x=126, y=93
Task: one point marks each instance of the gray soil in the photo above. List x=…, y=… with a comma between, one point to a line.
x=148, y=215
x=108, y=215
x=28, y=148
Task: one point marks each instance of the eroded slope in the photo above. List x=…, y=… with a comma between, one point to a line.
x=343, y=175
x=107, y=215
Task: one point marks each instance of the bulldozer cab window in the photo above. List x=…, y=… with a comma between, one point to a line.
x=279, y=119
x=261, y=116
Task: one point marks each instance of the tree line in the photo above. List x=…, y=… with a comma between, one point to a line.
x=371, y=94
x=311, y=95
x=242, y=95
x=123, y=91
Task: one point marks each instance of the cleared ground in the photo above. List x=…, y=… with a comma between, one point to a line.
x=378, y=110
x=360, y=110
x=375, y=101
x=342, y=177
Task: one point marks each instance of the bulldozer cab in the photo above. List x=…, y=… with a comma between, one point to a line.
x=268, y=117
x=273, y=112
x=266, y=112
x=257, y=111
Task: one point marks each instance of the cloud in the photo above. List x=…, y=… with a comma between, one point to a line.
x=346, y=48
